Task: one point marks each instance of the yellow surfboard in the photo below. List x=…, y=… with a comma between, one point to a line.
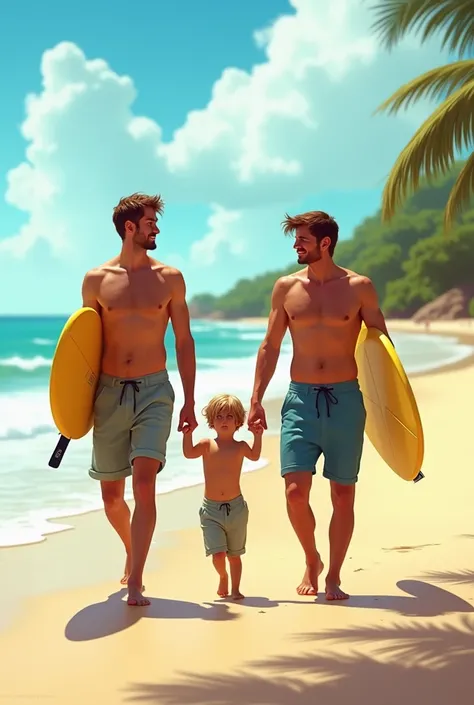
x=393, y=423
x=75, y=372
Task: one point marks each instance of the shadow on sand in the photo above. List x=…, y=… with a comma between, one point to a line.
x=390, y=664
x=453, y=577
x=113, y=615
x=426, y=600
x=410, y=663
x=265, y=603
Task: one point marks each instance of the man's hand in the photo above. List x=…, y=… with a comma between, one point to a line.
x=256, y=417
x=256, y=428
x=187, y=419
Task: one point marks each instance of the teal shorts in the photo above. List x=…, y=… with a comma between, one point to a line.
x=132, y=419
x=324, y=420
x=224, y=526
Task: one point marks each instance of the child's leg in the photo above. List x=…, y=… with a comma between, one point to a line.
x=236, y=543
x=215, y=543
x=218, y=560
x=235, y=566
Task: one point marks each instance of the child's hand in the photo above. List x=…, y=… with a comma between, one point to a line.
x=256, y=428
x=186, y=429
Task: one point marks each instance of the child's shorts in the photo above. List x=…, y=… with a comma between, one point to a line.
x=224, y=526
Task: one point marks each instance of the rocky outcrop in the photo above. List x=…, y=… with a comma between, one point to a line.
x=447, y=307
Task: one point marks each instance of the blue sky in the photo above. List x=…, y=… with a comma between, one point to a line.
x=235, y=112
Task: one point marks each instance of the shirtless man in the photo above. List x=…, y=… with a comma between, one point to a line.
x=323, y=413
x=136, y=297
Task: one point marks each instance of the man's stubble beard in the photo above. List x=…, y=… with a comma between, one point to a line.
x=145, y=243
x=309, y=258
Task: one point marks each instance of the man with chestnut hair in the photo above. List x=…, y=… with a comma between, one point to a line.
x=323, y=306
x=136, y=297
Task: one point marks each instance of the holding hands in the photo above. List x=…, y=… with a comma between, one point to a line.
x=187, y=419
x=256, y=428
x=256, y=418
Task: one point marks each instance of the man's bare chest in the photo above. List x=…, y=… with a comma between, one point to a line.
x=138, y=292
x=322, y=304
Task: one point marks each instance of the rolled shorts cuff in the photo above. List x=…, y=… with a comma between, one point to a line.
x=341, y=480
x=216, y=549
x=145, y=453
x=110, y=476
x=235, y=554
x=296, y=468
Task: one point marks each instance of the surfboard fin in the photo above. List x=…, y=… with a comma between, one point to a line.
x=58, y=453
x=419, y=477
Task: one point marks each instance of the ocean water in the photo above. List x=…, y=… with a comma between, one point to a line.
x=31, y=492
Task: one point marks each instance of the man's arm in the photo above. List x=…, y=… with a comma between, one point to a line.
x=90, y=290
x=185, y=352
x=269, y=350
x=370, y=309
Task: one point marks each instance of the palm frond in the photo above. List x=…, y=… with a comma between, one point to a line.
x=453, y=20
x=460, y=197
x=434, y=84
x=431, y=151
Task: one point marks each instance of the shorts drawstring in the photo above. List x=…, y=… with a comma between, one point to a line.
x=134, y=385
x=328, y=395
x=227, y=507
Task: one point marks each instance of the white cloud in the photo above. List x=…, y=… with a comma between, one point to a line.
x=221, y=224
x=299, y=122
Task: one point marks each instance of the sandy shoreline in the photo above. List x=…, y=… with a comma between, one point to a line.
x=409, y=570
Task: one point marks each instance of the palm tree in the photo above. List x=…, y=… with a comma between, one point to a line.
x=450, y=127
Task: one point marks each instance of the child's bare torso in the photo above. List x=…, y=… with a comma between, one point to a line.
x=222, y=461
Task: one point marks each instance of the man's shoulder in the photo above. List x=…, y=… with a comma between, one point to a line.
x=95, y=275
x=171, y=272
x=361, y=285
x=101, y=270
x=166, y=270
x=289, y=280
x=358, y=280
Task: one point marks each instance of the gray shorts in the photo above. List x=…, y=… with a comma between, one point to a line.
x=132, y=419
x=224, y=526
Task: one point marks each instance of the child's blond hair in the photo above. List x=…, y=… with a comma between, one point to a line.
x=224, y=403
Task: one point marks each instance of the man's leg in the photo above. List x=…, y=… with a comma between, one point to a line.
x=340, y=533
x=343, y=452
x=110, y=460
x=299, y=453
x=118, y=514
x=143, y=524
x=298, y=488
x=150, y=433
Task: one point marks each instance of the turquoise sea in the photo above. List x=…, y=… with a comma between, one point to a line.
x=31, y=492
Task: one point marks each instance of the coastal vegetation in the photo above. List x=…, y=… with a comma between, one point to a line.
x=410, y=259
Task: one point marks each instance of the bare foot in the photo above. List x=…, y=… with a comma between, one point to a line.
x=223, y=589
x=127, y=570
x=237, y=595
x=136, y=598
x=334, y=592
x=309, y=584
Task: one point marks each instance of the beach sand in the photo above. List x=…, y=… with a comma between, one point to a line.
x=406, y=634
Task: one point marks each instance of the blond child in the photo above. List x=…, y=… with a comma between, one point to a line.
x=224, y=512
